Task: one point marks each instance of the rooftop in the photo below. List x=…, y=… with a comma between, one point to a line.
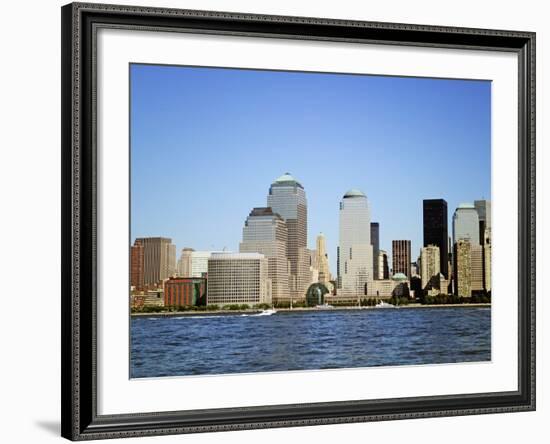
x=354, y=192
x=285, y=180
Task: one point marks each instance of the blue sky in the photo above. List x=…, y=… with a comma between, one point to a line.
x=206, y=143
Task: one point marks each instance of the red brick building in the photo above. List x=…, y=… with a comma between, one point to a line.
x=184, y=291
x=137, y=265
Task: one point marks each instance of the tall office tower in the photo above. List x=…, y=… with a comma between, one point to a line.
x=355, y=250
x=466, y=224
x=322, y=259
x=401, y=257
x=483, y=208
x=436, y=230
x=487, y=259
x=265, y=232
x=184, y=263
x=288, y=199
x=430, y=265
x=383, y=267
x=136, y=264
x=375, y=241
x=238, y=278
x=159, y=259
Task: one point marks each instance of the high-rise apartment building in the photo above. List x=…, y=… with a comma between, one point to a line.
x=468, y=267
x=375, y=241
x=159, y=259
x=401, y=257
x=435, y=223
x=355, y=251
x=136, y=265
x=238, y=278
x=322, y=259
x=430, y=265
x=184, y=263
x=288, y=199
x=265, y=232
x=466, y=224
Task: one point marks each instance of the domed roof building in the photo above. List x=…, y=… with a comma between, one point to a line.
x=354, y=192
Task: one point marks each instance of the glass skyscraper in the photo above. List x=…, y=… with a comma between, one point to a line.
x=288, y=199
x=355, y=251
x=436, y=230
x=265, y=232
x=466, y=224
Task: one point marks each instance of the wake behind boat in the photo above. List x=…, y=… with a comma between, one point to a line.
x=383, y=304
x=324, y=306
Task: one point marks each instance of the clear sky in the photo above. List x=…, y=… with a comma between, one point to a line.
x=206, y=143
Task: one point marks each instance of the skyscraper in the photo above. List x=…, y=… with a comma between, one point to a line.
x=487, y=259
x=288, y=199
x=265, y=232
x=468, y=267
x=159, y=259
x=466, y=224
x=375, y=241
x=429, y=264
x=483, y=208
x=436, y=229
x=401, y=257
x=355, y=260
x=322, y=259
x=184, y=263
x=136, y=264
x=383, y=267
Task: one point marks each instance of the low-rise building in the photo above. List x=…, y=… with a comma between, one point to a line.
x=181, y=291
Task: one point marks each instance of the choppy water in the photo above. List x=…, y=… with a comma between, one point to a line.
x=218, y=344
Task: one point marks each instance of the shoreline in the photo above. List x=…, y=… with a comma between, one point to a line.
x=298, y=309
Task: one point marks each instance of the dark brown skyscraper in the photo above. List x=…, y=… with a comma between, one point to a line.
x=435, y=230
x=136, y=264
x=401, y=257
x=375, y=242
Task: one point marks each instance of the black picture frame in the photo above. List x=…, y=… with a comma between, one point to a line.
x=80, y=420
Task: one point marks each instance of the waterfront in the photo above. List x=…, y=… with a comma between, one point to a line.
x=304, y=340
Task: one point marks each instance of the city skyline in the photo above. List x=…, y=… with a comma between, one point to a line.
x=195, y=190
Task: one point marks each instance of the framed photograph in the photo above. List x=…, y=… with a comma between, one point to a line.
x=281, y=221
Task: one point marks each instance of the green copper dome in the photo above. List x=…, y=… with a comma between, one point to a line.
x=354, y=193
x=399, y=277
x=285, y=180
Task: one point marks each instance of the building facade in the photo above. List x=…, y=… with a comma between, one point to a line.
x=487, y=259
x=322, y=259
x=383, y=265
x=287, y=198
x=375, y=241
x=483, y=208
x=238, y=278
x=468, y=271
x=184, y=263
x=184, y=291
x=435, y=225
x=401, y=257
x=466, y=224
x=355, y=251
x=159, y=259
x=265, y=232
x=430, y=265
x=136, y=265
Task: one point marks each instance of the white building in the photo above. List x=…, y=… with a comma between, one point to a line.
x=466, y=224
x=355, y=252
x=238, y=278
x=199, y=262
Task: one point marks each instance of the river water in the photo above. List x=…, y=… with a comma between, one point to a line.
x=302, y=340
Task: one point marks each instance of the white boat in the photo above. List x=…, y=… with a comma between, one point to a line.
x=268, y=312
x=324, y=306
x=383, y=304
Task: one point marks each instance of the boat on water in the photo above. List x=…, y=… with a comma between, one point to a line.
x=383, y=304
x=268, y=312
x=324, y=306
